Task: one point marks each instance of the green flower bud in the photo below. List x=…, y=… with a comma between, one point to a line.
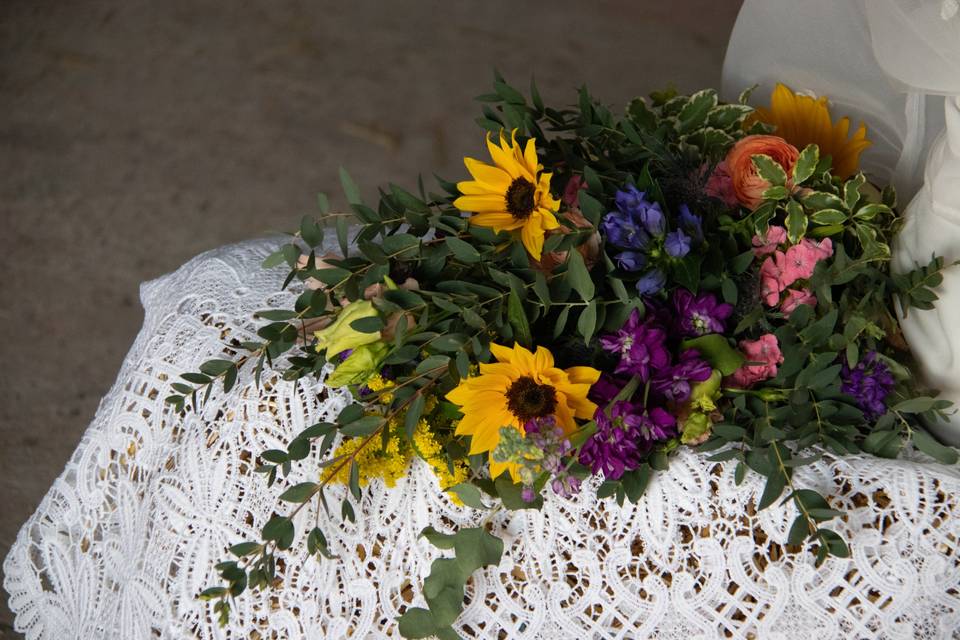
x=340, y=336
x=703, y=395
x=771, y=395
x=362, y=363
x=695, y=427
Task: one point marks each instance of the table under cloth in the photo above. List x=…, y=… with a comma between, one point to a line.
x=129, y=534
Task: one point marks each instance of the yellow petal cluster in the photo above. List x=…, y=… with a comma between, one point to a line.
x=512, y=194
x=393, y=462
x=803, y=120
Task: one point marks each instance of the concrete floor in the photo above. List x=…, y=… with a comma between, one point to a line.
x=135, y=134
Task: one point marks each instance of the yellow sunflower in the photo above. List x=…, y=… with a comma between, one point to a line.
x=802, y=120
x=517, y=388
x=511, y=194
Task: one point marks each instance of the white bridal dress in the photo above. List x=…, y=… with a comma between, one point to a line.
x=129, y=534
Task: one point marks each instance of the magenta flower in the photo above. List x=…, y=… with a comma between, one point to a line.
x=674, y=383
x=699, y=315
x=624, y=437
x=640, y=345
x=657, y=425
x=868, y=384
x=617, y=445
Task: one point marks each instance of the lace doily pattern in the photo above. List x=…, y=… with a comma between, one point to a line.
x=129, y=534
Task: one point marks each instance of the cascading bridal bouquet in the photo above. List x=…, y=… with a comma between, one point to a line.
x=710, y=276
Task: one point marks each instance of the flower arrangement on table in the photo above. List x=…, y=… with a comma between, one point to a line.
x=712, y=276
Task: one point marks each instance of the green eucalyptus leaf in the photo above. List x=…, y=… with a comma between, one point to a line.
x=579, y=276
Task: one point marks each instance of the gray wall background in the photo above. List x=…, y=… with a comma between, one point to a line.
x=135, y=134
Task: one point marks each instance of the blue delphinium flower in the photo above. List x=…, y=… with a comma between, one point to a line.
x=630, y=200
x=677, y=244
x=652, y=219
x=651, y=282
x=635, y=219
x=623, y=230
x=691, y=223
x=631, y=260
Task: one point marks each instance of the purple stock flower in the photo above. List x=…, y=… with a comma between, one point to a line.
x=691, y=223
x=699, y=315
x=616, y=446
x=631, y=260
x=605, y=389
x=677, y=244
x=641, y=346
x=656, y=424
x=868, y=384
x=651, y=282
x=674, y=383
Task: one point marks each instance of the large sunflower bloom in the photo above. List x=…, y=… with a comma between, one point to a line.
x=802, y=120
x=519, y=387
x=511, y=194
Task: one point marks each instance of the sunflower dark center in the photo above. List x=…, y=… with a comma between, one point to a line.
x=520, y=198
x=528, y=400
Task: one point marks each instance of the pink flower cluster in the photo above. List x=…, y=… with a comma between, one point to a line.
x=763, y=356
x=782, y=269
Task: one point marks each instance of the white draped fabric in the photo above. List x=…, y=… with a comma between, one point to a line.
x=894, y=64
x=129, y=534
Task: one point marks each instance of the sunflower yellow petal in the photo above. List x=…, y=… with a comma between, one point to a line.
x=498, y=221
x=495, y=177
x=532, y=237
x=583, y=375
x=501, y=353
x=480, y=203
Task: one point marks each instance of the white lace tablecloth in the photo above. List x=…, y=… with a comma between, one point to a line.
x=128, y=535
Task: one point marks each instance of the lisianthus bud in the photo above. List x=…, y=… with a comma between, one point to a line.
x=359, y=366
x=340, y=336
x=703, y=395
x=695, y=429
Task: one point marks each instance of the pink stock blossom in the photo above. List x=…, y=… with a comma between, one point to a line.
x=720, y=185
x=822, y=249
x=796, y=297
x=571, y=193
x=763, y=356
x=771, y=278
x=768, y=244
x=802, y=259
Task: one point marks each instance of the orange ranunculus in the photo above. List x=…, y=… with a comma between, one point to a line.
x=748, y=186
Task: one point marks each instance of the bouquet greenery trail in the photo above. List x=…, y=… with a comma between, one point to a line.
x=604, y=291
